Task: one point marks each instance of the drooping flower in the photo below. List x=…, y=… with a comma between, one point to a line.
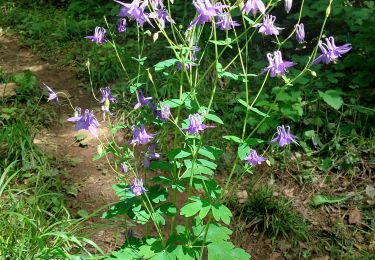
x=300, y=33
x=162, y=16
x=225, y=22
x=134, y=10
x=106, y=95
x=195, y=124
x=331, y=52
x=51, y=94
x=253, y=158
x=276, y=66
x=284, y=137
x=157, y=3
x=137, y=187
x=288, y=5
x=121, y=25
x=267, y=26
x=86, y=121
x=150, y=155
x=142, y=101
x=98, y=36
x=140, y=136
x=165, y=112
x=206, y=11
x=254, y=6
x=123, y=167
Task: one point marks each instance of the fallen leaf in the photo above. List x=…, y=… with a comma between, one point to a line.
x=355, y=216
x=289, y=192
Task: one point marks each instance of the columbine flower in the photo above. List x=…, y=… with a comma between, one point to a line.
x=142, y=101
x=284, y=137
x=288, y=5
x=267, y=26
x=165, y=112
x=123, y=167
x=106, y=95
x=137, y=187
x=86, y=121
x=162, y=16
x=195, y=124
x=134, y=10
x=98, y=36
x=225, y=22
x=254, y=6
x=157, y=3
x=121, y=25
x=253, y=158
x=300, y=32
x=331, y=52
x=206, y=11
x=150, y=155
x=51, y=94
x=277, y=66
x=140, y=136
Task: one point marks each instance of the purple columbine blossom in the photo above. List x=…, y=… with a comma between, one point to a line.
x=86, y=121
x=134, y=10
x=142, y=101
x=225, y=22
x=150, y=155
x=288, y=5
x=331, y=52
x=137, y=187
x=267, y=26
x=276, y=66
x=254, y=6
x=106, y=95
x=140, y=136
x=253, y=158
x=165, y=112
x=51, y=94
x=121, y=25
x=157, y=3
x=206, y=11
x=300, y=32
x=98, y=36
x=284, y=137
x=195, y=124
x=162, y=16
x=123, y=167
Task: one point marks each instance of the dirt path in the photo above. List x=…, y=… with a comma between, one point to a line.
x=88, y=183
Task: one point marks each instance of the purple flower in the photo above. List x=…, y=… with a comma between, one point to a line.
x=288, y=5
x=123, y=167
x=254, y=6
x=277, y=66
x=225, y=22
x=121, y=25
x=51, y=94
x=253, y=158
x=98, y=36
x=267, y=26
x=206, y=11
x=331, y=52
x=157, y=3
x=106, y=95
x=165, y=112
x=134, y=10
x=300, y=32
x=284, y=137
x=140, y=136
x=195, y=124
x=142, y=101
x=150, y=155
x=162, y=16
x=137, y=187
x=86, y=121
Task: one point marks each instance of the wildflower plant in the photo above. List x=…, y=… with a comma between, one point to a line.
x=168, y=153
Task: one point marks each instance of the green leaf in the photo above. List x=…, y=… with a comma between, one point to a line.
x=210, y=152
x=226, y=250
x=80, y=137
x=191, y=209
x=173, y=103
x=165, y=64
x=223, y=43
x=140, y=60
x=256, y=110
x=318, y=200
x=332, y=98
x=178, y=154
x=233, y=138
x=214, y=118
